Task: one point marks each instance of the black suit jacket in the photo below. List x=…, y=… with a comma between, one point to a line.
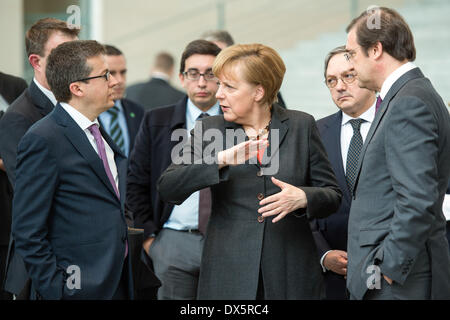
x=134, y=113
x=10, y=88
x=31, y=106
x=148, y=160
x=154, y=93
x=331, y=233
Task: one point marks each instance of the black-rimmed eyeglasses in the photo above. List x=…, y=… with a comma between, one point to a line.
x=193, y=74
x=106, y=76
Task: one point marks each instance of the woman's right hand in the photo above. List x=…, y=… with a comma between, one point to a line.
x=241, y=152
x=147, y=244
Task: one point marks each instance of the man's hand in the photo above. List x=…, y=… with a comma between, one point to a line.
x=241, y=152
x=2, y=166
x=147, y=243
x=336, y=261
x=388, y=280
x=289, y=199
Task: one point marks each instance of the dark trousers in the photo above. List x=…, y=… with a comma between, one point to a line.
x=122, y=289
x=3, y=253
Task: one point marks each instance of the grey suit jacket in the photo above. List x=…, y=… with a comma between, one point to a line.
x=237, y=246
x=396, y=218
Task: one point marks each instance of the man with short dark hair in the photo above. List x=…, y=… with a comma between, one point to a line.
x=397, y=247
x=171, y=233
x=122, y=121
x=34, y=104
x=157, y=91
x=340, y=133
x=68, y=207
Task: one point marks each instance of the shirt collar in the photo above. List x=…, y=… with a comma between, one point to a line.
x=194, y=112
x=394, y=76
x=78, y=117
x=118, y=104
x=47, y=92
x=368, y=116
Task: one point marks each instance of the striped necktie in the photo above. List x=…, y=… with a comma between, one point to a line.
x=114, y=128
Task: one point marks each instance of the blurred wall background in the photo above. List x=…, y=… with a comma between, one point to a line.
x=301, y=31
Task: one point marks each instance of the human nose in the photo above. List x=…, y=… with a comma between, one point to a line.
x=219, y=93
x=340, y=85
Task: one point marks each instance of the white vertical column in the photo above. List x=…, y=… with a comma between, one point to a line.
x=96, y=19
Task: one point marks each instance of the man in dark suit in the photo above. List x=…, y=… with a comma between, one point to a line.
x=10, y=88
x=35, y=103
x=157, y=91
x=171, y=234
x=356, y=105
x=68, y=209
x=122, y=121
x=397, y=248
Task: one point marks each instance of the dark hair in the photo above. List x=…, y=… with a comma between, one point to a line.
x=39, y=33
x=164, y=61
x=112, y=51
x=198, y=47
x=331, y=54
x=219, y=35
x=390, y=29
x=67, y=63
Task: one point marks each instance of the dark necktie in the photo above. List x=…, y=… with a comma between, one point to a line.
x=115, y=131
x=204, y=204
x=379, y=101
x=354, y=150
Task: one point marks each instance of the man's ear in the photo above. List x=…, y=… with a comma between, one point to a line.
x=376, y=50
x=259, y=93
x=35, y=61
x=76, y=89
x=181, y=76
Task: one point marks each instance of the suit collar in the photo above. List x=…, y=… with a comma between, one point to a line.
x=40, y=100
x=179, y=114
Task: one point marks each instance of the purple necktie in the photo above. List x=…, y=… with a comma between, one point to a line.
x=379, y=101
x=102, y=153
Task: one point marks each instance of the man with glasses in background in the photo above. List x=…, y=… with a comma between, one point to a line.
x=68, y=207
x=343, y=135
x=173, y=234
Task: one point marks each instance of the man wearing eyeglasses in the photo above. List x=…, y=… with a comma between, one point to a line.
x=343, y=134
x=35, y=103
x=68, y=207
x=173, y=239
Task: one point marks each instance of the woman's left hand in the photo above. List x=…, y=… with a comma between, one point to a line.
x=289, y=199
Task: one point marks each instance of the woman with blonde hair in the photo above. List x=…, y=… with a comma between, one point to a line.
x=258, y=243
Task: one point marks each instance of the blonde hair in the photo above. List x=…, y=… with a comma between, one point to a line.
x=257, y=63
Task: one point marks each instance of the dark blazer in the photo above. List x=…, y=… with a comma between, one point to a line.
x=148, y=160
x=331, y=233
x=31, y=106
x=134, y=113
x=11, y=87
x=76, y=219
x=237, y=246
x=154, y=93
x=396, y=219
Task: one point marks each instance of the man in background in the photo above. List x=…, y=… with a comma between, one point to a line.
x=157, y=91
x=173, y=234
x=340, y=133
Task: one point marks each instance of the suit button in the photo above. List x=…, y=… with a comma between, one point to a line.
x=259, y=173
x=260, y=196
x=260, y=219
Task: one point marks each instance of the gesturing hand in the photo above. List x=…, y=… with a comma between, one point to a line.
x=241, y=152
x=336, y=261
x=289, y=199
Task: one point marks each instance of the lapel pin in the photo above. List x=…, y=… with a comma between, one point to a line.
x=132, y=115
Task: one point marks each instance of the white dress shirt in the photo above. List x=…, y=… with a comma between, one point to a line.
x=347, y=130
x=84, y=124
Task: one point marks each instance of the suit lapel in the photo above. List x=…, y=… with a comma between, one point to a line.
x=79, y=140
x=277, y=127
x=332, y=140
x=408, y=76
